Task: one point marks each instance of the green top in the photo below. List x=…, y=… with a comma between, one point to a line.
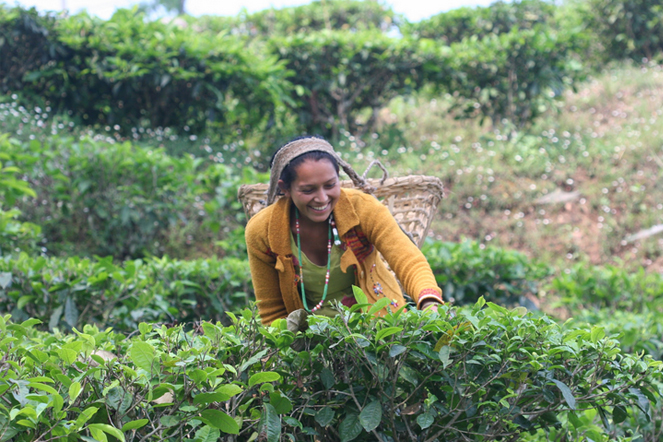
x=340, y=284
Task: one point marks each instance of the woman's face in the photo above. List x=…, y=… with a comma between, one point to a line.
x=315, y=191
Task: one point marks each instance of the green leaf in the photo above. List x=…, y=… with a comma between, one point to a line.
x=57, y=403
x=379, y=305
x=207, y=434
x=169, y=420
x=108, y=429
x=566, y=392
x=350, y=428
x=597, y=334
x=292, y=422
x=327, y=378
x=425, y=420
x=134, y=425
x=409, y=375
x=229, y=389
x=74, y=391
x=5, y=280
x=396, y=350
x=142, y=354
x=359, y=294
x=208, y=398
x=281, y=404
x=144, y=328
x=68, y=355
x=219, y=419
x=619, y=414
x=43, y=387
x=85, y=416
x=444, y=356
x=70, y=311
x=271, y=423
x=385, y=332
x=266, y=376
x=371, y=416
x=324, y=416
x=98, y=434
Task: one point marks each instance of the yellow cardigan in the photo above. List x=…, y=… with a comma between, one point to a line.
x=364, y=224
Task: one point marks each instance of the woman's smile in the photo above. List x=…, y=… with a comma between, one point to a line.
x=315, y=191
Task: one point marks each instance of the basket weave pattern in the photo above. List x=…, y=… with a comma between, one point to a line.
x=412, y=200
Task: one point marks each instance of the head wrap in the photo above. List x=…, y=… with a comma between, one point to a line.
x=298, y=147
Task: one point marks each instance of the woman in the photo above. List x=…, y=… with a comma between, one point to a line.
x=308, y=248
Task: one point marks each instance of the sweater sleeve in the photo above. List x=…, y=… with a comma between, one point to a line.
x=403, y=256
x=263, y=273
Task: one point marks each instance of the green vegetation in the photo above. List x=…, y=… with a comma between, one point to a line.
x=124, y=286
x=489, y=371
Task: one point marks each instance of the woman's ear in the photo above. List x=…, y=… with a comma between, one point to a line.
x=283, y=188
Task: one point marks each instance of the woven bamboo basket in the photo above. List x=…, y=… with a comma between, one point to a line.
x=412, y=200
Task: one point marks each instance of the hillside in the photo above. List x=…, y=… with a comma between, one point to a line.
x=576, y=187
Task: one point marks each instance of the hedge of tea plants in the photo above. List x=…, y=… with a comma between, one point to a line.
x=482, y=372
x=252, y=75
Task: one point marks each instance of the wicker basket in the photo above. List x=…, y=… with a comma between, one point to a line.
x=412, y=200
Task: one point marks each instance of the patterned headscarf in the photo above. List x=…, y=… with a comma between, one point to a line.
x=298, y=147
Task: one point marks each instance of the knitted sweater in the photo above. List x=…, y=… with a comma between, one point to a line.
x=364, y=225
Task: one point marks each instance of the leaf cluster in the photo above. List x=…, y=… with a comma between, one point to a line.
x=68, y=293
x=480, y=374
x=119, y=199
x=467, y=272
x=130, y=72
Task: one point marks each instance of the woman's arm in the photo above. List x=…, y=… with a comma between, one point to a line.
x=403, y=256
x=264, y=274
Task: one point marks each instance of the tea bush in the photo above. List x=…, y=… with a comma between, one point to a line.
x=498, y=18
x=631, y=29
x=101, y=198
x=466, y=272
x=14, y=234
x=513, y=76
x=72, y=292
x=130, y=72
x=610, y=287
x=342, y=79
x=637, y=332
x=481, y=373
x=349, y=15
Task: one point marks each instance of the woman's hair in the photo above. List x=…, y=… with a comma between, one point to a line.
x=289, y=173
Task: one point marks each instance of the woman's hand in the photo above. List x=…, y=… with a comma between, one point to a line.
x=431, y=304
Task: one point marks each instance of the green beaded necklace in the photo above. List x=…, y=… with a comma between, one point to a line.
x=301, y=263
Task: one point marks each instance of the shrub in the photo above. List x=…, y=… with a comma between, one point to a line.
x=341, y=79
x=512, y=77
x=465, y=272
x=101, y=198
x=608, y=287
x=630, y=29
x=637, y=332
x=15, y=235
x=67, y=293
x=498, y=18
x=484, y=374
x=349, y=15
x=128, y=72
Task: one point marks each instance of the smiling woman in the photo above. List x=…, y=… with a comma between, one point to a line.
x=308, y=248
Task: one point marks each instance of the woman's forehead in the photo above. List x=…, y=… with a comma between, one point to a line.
x=315, y=171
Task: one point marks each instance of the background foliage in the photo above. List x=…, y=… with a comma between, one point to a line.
x=120, y=230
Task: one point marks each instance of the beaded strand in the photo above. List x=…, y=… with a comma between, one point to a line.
x=301, y=263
